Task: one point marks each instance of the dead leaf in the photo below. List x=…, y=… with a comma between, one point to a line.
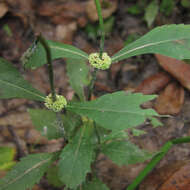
x=106, y=11
x=3, y=9
x=178, y=69
x=175, y=176
x=154, y=83
x=170, y=100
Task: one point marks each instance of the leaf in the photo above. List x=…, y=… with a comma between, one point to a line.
x=7, y=157
x=13, y=85
x=58, y=50
x=96, y=184
x=124, y=153
x=138, y=132
x=53, y=178
x=167, y=7
x=26, y=173
x=151, y=12
x=78, y=72
x=115, y=111
x=75, y=160
x=46, y=122
x=170, y=40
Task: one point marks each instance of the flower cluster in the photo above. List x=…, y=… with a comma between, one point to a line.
x=56, y=105
x=100, y=63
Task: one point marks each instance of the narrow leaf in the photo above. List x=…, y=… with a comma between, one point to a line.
x=115, y=111
x=78, y=72
x=170, y=40
x=75, y=160
x=13, y=85
x=124, y=153
x=46, y=122
x=26, y=173
x=58, y=50
x=151, y=12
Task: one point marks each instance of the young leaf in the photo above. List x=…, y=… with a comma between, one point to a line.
x=96, y=184
x=151, y=12
x=117, y=111
x=26, y=173
x=13, y=85
x=170, y=40
x=78, y=72
x=75, y=160
x=58, y=50
x=124, y=153
x=45, y=121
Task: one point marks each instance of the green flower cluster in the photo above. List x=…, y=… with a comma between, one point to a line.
x=97, y=62
x=56, y=106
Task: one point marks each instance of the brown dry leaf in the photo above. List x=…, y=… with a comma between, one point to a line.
x=170, y=100
x=154, y=83
x=3, y=9
x=178, y=69
x=175, y=176
x=106, y=11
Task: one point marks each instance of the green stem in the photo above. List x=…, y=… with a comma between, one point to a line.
x=44, y=43
x=91, y=85
x=101, y=22
x=155, y=160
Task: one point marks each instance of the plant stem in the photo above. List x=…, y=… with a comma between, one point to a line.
x=41, y=39
x=101, y=22
x=91, y=85
x=155, y=160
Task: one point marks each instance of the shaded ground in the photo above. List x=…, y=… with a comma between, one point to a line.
x=67, y=22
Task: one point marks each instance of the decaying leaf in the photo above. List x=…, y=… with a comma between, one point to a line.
x=154, y=83
x=175, y=176
x=178, y=69
x=170, y=100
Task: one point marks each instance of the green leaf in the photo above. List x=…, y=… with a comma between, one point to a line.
x=167, y=7
x=53, y=178
x=115, y=111
x=58, y=50
x=155, y=122
x=6, y=158
x=151, y=12
x=46, y=122
x=124, y=153
x=26, y=173
x=13, y=85
x=75, y=160
x=138, y=132
x=78, y=72
x=96, y=184
x=169, y=40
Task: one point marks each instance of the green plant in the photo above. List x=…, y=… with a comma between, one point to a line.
x=88, y=127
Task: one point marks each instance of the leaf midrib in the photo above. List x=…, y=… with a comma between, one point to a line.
x=26, y=172
x=15, y=86
x=143, y=46
x=68, y=50
x=106, y=110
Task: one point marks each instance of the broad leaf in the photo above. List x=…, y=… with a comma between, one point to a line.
x=78, y=72
x=13, y=85
x=169, y=40
x=26, y=173
x=96, y=184
x=124, y=153
x=115, y=111
x=75, y=160
x=46, y=122
x=38, y=58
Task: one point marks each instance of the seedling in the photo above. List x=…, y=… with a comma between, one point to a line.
x=89, y=127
